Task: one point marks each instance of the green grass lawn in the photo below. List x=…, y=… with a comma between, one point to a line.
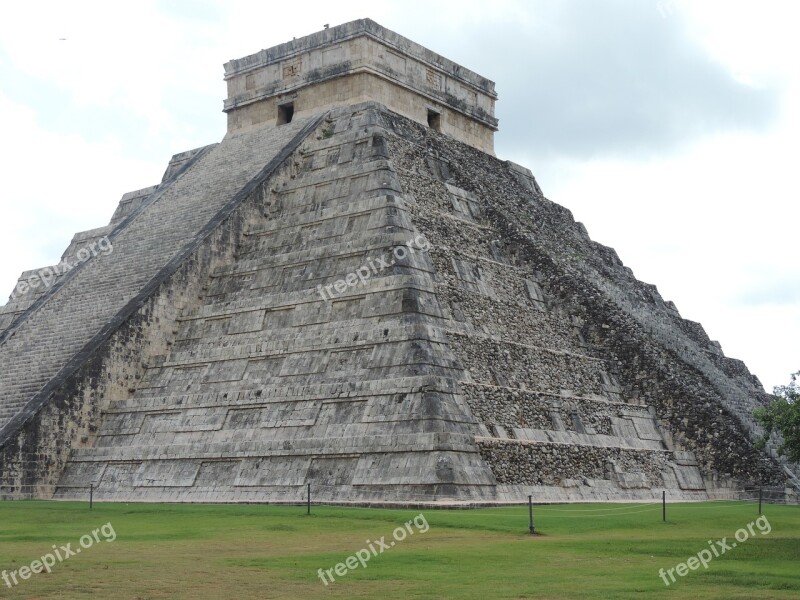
x=246, y=551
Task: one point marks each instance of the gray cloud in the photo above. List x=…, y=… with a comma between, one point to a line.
x=613, y=77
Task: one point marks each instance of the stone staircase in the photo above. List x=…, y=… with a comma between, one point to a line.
x=45, y=339
x=271, y=383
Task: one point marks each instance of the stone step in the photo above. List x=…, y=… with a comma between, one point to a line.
x=355, y=443
x=280, y=393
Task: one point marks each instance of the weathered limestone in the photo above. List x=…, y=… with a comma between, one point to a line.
x=356, y=62
x=351, y=392
x=358, y=301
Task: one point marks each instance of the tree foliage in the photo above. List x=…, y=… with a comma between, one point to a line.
x=783, y=415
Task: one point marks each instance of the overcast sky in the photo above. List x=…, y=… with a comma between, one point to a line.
x=670, y=129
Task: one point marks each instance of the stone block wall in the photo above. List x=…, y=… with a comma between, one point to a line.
x=61, y=364
x=538, y=315
x=288, y=379
x=355, y=62
x=502, y=353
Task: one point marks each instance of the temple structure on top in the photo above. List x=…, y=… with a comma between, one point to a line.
x=355, y=62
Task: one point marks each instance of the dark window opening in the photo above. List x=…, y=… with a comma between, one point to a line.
x=285, y=113
x=434, y=120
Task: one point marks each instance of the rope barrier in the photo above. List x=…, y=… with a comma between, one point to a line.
x=335, y=495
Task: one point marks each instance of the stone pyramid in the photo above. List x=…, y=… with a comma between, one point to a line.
x=352, y=291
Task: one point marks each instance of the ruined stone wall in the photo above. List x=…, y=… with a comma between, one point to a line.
x=543, y=318
x=271, y=385
x=33, y=459
x=361, y=61
x=61, y=363
x=361, y=87
x=511, y=356
x=555, y=465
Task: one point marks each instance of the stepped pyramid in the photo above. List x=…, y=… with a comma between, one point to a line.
x=350, y=290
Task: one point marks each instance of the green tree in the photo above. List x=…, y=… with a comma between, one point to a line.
x=783, y=415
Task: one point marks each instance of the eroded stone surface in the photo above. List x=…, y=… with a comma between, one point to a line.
x=357, y=301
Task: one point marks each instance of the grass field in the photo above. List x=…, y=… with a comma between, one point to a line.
x=246, y=551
